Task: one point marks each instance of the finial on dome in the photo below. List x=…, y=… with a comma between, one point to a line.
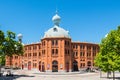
x=56, y=19
x=56, y=12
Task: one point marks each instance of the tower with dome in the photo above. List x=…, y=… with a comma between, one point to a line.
x=56, y=52
x=56, y=30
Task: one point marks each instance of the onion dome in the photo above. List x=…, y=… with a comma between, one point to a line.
x=56, y=31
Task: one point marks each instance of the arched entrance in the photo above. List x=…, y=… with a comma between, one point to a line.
x=39, y=65
x=55, y=66
x=67, y=67
x=22, y=66
x=89, y=64
x=75, y=65
x=43, y=67
x=29, y=65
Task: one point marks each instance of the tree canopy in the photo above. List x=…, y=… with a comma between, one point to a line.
x=2, y=39
x=9, y=45
x=108, y=59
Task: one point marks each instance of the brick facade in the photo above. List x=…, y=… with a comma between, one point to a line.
x=56, y=52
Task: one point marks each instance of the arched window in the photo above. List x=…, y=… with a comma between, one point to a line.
x=55, y=29
x=54, y=63
x=56, y=42
x=52, y=51
x=16, y=64
x=56, y=51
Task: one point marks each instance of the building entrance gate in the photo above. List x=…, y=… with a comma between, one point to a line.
x=67, y=67
x=54, y=66
x=75, y=66
x=29, y=65
x=40, y=66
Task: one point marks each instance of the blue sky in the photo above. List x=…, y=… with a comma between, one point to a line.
x=86, y=20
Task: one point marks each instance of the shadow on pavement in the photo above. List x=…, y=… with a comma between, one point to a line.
x=118, y=78
x=14, y=77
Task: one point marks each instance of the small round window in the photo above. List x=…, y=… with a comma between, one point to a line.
x=55, y=29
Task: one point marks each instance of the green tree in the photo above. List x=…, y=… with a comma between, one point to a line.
x=2, y=39
x=9, y=45
x=2, y=60
x=108, y=59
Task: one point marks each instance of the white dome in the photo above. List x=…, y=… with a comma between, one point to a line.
x=56, y=32
x=20, y=36
x=56, y=19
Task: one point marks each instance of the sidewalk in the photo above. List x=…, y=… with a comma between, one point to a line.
x=36, y=75
x=58, y=73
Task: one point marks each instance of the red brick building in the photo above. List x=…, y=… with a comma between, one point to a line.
x=56, y=52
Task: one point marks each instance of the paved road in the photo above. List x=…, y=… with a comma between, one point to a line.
x=34, y=75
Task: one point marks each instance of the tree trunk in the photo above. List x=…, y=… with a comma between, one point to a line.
x=0, y=69
x=108, y=74
x=113, y=75
x=100, y=73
